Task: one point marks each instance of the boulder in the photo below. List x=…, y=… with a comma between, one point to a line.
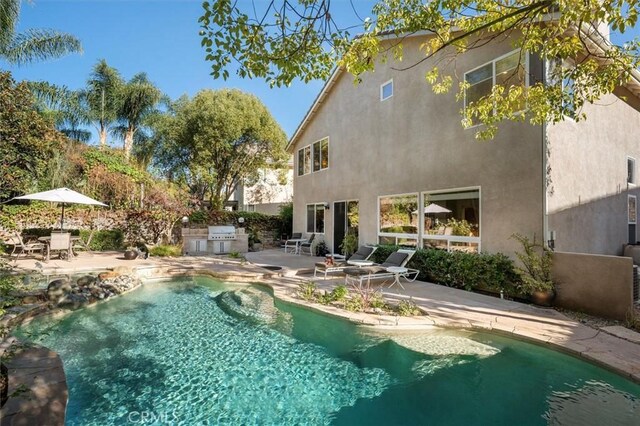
x=86, y=281
x=73, y=301
x=57, y=289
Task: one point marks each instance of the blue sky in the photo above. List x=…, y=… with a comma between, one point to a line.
x=159, y=37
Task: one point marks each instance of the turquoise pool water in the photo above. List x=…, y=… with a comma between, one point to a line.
x=197, y=351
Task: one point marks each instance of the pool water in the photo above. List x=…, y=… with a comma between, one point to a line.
x=198, y=351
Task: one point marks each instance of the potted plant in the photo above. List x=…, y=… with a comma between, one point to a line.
x=349, y=244
x=535, y=273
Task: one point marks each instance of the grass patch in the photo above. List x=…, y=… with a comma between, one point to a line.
x=166, y=251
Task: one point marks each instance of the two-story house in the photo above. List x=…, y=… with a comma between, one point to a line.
x=390, y=159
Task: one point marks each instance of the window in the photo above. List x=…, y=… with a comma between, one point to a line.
x=321, y=155
x=452, y=220
x=386, y=90
x=304, y=161
x=315, y=218
x=631, y=170
x=558, y=74
x=314, y=157
x=398, y=219
x=507, y=71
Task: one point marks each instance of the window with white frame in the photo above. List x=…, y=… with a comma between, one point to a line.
x=386, y=90
x=314, y=157
x=321, y=155
x=452, y=220
x=315, y=218
x=398, y=219
x=508, y=70
x=304, y=161
x=558, y=74
x=631, y=170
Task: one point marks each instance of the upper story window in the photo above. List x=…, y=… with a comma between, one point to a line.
x=313, y=157
x=321, y=155
x=304, y=161
x=386, y=90
x=631, y=170
x=508, y=70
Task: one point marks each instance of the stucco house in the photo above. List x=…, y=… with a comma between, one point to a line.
x=390, y=159
x=265, y=193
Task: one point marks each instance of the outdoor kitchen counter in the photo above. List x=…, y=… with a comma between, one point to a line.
x=196, y=241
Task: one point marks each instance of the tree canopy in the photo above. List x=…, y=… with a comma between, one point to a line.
x=300, y=39
x=33, y=44
x=217, y=139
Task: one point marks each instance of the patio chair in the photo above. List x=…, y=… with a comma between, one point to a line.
x=80, y=244
x=291, y=244
x=20, y=247
x=307, y=246
x=60, y=242
x=363, y=253
x=397, y=259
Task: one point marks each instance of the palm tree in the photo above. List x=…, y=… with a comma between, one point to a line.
x=31, y=45
x=102, y=97
x=64, y=107
x=138, y=101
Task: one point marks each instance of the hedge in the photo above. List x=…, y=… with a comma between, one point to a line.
x=469, y=271
x=101, y=241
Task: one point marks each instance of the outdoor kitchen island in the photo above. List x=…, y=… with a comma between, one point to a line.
x=214, y=240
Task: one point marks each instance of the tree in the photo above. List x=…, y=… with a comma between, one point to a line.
x=290, y=39
x=65, y=107
x=33, y=44
x=216, y=140
x=138, y=101
x=102, y=98
x=27, y=140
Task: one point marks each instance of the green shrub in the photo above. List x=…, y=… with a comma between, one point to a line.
x=307, y=291
x=408, y=308
x=339, y=293
x=166, y=250
x=469, y=271
x=105, y=240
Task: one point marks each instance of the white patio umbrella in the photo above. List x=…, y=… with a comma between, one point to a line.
x=61, y=195
x=434, y=208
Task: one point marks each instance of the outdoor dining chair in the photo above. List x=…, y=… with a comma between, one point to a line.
x=60, y=242
x=82, y=245
x=292, y=243
x=20, y=247
x=307, y=246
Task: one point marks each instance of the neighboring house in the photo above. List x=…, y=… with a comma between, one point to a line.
x=389, y=158
x=270, y=190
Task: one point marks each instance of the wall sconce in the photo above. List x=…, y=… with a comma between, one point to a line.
x=327, y=206
x=185, y=221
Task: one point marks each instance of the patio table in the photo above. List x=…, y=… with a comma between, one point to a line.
x=47, y=240
x=397, y=272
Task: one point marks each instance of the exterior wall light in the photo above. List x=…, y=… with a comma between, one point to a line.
x=327, y=206
x=185, y=221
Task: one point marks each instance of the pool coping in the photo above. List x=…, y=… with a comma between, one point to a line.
x=600, y=348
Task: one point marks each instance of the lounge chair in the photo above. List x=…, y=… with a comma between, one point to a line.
x=292, y=244
x=307, y=246
x=363, y=253
x=397, y=259
x=20, y=247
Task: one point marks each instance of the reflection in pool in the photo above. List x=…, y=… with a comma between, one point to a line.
x=198, y=351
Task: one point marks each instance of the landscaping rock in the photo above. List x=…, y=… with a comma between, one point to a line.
x=57, y=289
x=73, y=301
x=107, y=275
x=86, y=281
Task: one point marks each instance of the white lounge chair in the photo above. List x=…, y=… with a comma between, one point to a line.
x=20, y=247
x=363, y=253
x=394, y=267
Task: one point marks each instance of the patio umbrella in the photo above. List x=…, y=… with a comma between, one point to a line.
x=434, y=208
x=61, y=195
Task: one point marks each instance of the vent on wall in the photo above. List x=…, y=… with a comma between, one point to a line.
x=636, y=284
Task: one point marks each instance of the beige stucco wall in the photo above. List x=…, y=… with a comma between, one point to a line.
x=414, y=142
x=587, y=194
x=594, y=284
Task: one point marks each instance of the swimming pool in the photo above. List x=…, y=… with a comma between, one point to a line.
x=199, y=351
